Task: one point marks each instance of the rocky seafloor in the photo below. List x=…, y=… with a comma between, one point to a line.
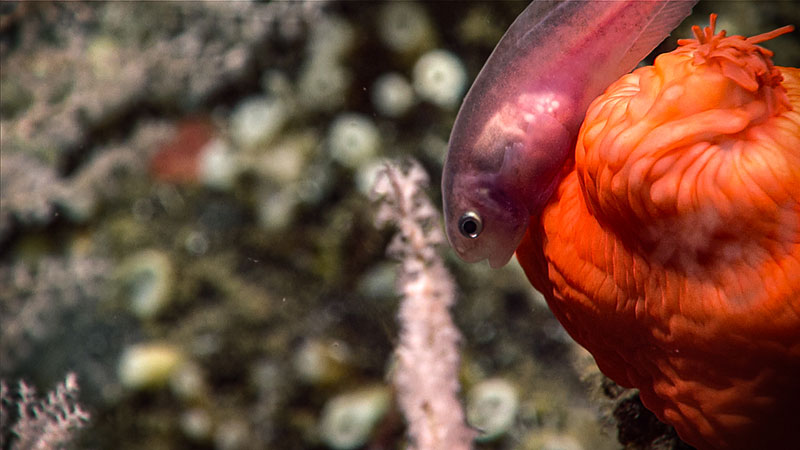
x=185, y=225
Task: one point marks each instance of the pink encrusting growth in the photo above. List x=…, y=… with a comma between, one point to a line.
x=426, y=374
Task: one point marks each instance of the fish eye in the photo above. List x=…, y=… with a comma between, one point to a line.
x=470, y=224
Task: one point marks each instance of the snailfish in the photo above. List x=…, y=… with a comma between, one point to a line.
x=519, y=121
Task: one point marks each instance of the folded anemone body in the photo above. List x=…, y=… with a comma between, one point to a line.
x=671, y=250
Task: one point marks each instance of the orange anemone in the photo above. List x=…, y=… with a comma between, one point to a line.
x=671, y=250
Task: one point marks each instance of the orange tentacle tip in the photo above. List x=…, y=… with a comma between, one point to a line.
x=740, y=59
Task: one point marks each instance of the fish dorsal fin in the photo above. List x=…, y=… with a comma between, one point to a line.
x=658, y=28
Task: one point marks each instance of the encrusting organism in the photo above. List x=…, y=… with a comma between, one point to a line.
x=426, y=372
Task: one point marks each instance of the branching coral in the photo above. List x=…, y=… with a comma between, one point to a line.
x=426, y=376
x=35, y=296
x=46, y=424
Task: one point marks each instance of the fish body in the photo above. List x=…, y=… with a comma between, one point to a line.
x=518, y=123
